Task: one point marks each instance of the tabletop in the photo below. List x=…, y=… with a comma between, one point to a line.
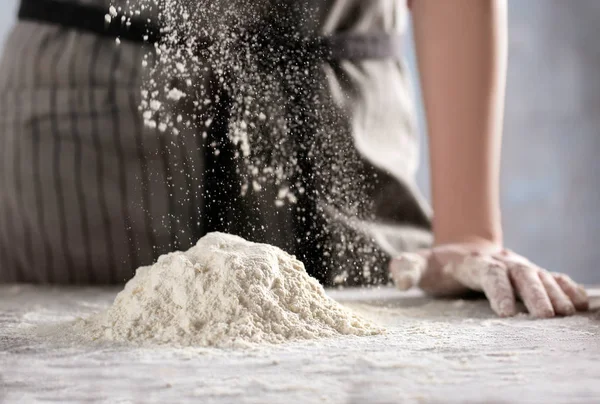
x=434, y=351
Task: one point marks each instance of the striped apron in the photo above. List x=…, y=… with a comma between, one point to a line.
x=89, y=193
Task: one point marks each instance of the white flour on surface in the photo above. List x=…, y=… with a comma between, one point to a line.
x=434, y=351
x=224, y=291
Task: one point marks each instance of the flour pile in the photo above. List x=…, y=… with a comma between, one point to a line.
x=225, y=291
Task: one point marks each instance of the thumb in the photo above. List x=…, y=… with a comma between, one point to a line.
x=407, y=269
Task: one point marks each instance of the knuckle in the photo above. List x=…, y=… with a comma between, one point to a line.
x=562, y=278
x=545, y=277
x=496, y=269
x=520, y=270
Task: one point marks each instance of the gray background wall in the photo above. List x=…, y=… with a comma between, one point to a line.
x=7, y=16
x=551, y=162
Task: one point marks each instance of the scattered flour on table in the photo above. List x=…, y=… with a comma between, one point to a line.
x=224, y=291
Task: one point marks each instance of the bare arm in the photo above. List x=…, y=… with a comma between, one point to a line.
x=461, y=49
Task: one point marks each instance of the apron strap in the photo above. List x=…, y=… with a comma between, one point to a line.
x=136, y=29
x=87, y=19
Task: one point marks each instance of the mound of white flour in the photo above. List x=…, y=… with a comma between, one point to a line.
x=224, y=291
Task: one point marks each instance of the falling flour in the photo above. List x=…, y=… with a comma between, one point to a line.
x=224, y=291
x=249, y=80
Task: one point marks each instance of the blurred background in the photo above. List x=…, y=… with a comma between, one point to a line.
x=551, y=157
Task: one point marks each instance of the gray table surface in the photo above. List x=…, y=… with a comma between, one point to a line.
x=433, y=351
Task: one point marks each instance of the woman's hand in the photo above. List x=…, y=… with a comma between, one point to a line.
x=453, y=269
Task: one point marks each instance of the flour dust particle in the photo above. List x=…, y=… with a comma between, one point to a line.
x=225, y=291
x=245, y=77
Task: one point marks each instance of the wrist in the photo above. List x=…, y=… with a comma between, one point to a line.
x=468, y=236
x=472, y=225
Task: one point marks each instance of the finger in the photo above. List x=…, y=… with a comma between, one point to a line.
x=407, y=270
x=531, y=290
x=490, y=276
x=498, y=289
x=560, y=301
x=576, y=292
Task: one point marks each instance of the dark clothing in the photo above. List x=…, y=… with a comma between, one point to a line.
x=89, y=193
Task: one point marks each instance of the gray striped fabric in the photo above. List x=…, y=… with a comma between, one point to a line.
x=86, y=189
x=88, y=193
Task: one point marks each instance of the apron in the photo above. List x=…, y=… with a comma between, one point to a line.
x=93, y=193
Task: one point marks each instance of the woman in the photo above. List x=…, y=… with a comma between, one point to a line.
x=90, y=193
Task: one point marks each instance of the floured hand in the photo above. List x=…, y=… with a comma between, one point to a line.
x=501, y=274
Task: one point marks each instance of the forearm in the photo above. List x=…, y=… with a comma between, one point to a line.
x=461, y=49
